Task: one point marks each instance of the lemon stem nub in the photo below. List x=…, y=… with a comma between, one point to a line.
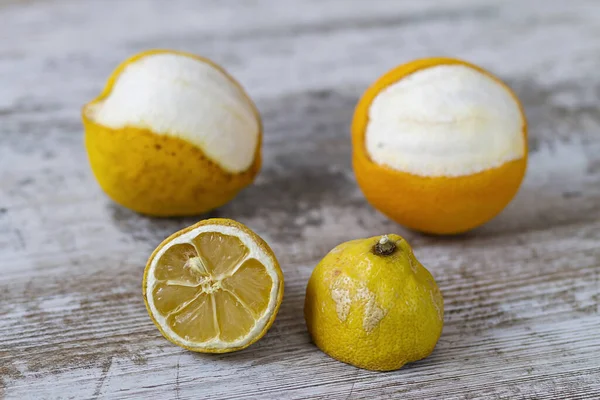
x=384, y=247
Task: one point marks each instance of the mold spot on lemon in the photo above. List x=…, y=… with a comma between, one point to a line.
x=340, y=294
x=373, y=314
x=345, y=293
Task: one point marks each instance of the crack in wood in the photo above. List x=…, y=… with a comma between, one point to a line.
x=105, y=368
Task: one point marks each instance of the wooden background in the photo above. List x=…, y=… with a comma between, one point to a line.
x=521, y=293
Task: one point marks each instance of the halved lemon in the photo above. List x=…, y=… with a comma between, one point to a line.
x=213, y=287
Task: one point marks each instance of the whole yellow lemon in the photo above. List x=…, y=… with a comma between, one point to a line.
x=371, y=304
x=172, y=134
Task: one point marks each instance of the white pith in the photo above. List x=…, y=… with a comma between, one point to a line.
x=255, y=251
x=180, y=96
x=446, y=120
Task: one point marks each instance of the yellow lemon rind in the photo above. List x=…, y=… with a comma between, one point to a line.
x=159, y=175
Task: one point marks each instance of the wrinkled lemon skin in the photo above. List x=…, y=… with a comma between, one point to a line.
x=437, y=205
x=160, y=175
x=373, y=312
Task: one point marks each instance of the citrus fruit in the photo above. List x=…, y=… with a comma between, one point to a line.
x=172, y=134
x=371, y=304
x=439, y=145
x=213, y=287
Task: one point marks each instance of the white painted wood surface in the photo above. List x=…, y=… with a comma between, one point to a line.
x=521, y=293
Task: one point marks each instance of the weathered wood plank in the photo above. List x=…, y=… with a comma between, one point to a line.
x=521, y=293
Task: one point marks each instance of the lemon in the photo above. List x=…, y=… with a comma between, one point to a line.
x=439, y=145
x=371, y=304
x=214, y=287
x=172, y=134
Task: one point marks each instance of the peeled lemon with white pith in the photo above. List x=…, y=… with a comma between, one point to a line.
x=371, y=304
x=214, y=287
x=172, y=134
x=439, y=145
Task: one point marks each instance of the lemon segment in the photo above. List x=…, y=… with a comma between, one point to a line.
x=195, y=321
x=251, y=285
x=220, y=253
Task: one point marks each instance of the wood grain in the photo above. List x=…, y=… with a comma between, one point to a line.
x=521, y=293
